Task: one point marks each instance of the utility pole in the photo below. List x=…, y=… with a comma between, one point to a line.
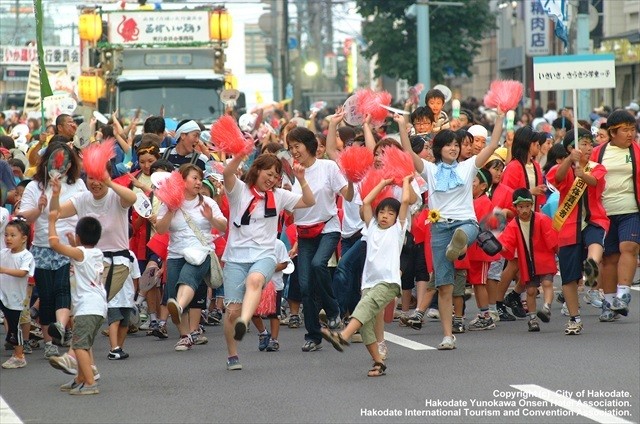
x=583, y=47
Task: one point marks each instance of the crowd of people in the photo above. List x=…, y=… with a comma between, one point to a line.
x=488, y=206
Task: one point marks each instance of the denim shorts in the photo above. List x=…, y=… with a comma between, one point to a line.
x=571, y=257
x=495, y=269
x=441, y=235
x=179, y=271
x=235, y=275
x=624, y=227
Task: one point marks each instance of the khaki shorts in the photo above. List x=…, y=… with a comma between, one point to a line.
x=85, y=328
x=120, y=274
x=460, y=281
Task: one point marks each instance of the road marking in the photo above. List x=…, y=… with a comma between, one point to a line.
x=635, y=288
x=390, y=337
x=570, y=404
x=7, y=416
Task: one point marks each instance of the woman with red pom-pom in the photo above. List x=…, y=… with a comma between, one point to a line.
x=52, y=269
x=189, y=226
x=318, y=232
x=249, y=256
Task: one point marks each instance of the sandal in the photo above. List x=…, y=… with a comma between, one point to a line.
x=378, y=370
x=335, y=338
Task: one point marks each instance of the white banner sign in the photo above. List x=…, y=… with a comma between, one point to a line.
x=167, y=27
x=537, y=29
x=53, y=55
x=574, y=72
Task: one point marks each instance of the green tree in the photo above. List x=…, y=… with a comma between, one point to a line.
x=455, y=35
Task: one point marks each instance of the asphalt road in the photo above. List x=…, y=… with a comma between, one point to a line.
x=506, y=375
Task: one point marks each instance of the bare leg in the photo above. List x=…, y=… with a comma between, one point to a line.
x=231, y=314
x=85, y=373
x=445, y=306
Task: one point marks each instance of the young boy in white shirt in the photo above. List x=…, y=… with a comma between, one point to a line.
x=88, y=297
x=381, y=281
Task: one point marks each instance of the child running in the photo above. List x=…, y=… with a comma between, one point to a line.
x=381, y=280
x=88, y=297
x=17, y=265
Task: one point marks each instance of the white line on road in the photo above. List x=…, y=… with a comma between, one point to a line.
x=406, y=342
x=570, y=404
x=635, y=288
x=7, y=416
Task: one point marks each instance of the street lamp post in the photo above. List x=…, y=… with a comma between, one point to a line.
x=424, y=44
x=220, y=31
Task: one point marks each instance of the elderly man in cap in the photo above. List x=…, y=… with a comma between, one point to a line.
x=187, y=138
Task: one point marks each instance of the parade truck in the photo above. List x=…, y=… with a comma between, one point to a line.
x=143, y=63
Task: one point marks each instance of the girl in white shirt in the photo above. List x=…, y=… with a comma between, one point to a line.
x=52, y=269
x=183, y=278
x=16, y=266
x=450, y=186
x=249, y=256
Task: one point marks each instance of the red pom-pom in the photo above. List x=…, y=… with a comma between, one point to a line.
x=505, y=95
x=368, y=103
x=368, y=183
x=354, y=162
x=95, y=158
x=227, y=137
x=397, y=164
x=171, y=191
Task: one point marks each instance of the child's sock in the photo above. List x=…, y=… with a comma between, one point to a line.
x=576, y=319
x=484, y=312
x=622, y=290
x=139, y=300
x=153, y=317
x=263, y=332
x=532, y=316
x=493, y=307
x=162, y=322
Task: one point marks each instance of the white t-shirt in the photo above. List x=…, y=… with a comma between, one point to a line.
x=88, y=295
x=325, y=181
x=13, y=290
x=456, y=203
x=181, y=235
x=30, y=199
x=112, y=216
x=351, y=221
x=124, y=298
x=382, y=264
x=4, y=220
x=249, y=243
x=282, y=256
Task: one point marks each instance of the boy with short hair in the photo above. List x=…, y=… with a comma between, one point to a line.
x=580, y=219
x=88, y=296
x=381, y=281
x=435, y=101
x=422, y=120
x=531, y=238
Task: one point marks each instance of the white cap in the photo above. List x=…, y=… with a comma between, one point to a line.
x=478, y=131
x=633, y=106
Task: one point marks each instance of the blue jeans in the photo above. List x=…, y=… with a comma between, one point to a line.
x=315, y=281
x=348, y=275
x=441, y=235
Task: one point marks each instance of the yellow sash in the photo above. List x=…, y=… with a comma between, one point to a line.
x=571, y=199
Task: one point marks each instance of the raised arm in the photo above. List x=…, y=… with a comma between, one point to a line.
x=369, y=139
x=406, y=143
x=307, y=198
x=490, y=148
x=347, y=191
x=367, y=209
x=54, y=240
x=407, y=194
x=66, y=209
x=229, y=172
x=332, y=142
x=127, y=196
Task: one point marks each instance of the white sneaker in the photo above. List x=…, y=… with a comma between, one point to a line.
x=433, y=314
x=495, y=316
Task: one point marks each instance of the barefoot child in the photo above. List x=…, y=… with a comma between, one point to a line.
x=381, y=275
x=16, y=266
x=88, y=296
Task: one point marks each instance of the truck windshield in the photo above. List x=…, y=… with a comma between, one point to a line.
x=195, y=99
